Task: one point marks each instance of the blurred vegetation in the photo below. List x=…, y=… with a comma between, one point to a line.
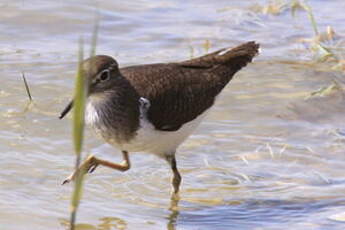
x=206, y=46
x=326, y=90
x=78, y=133
x=80, y=97
x=327, y=47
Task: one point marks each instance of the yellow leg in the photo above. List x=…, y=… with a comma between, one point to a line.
x=91, y=163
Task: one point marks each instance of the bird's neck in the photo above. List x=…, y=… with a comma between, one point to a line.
x=115, y=113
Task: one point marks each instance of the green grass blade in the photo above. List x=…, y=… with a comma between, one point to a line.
x=94, y=37
x=79, y=104
x=78, y=132
x=311, y=17
x=78, y=121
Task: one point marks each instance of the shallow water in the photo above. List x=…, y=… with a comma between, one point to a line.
x=264, y=158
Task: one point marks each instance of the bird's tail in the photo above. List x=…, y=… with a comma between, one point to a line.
x=236, y=58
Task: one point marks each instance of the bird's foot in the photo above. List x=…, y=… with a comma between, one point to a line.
x=88, y=166
x=68, y=179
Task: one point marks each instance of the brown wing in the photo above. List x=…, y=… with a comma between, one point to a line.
x=179, y=92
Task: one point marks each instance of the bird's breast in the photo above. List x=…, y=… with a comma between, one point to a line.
x=96, y=118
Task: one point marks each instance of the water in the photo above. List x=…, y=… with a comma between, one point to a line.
x=264, y=158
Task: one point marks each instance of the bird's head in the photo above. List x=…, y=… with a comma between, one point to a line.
x=101, y=73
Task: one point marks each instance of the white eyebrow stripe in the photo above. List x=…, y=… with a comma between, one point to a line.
x=112, y=66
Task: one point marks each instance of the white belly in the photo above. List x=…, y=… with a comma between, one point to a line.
x=150, y=140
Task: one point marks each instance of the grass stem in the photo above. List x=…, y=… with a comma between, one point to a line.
x=26, y=87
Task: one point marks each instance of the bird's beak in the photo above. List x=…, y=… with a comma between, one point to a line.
x=66, y=110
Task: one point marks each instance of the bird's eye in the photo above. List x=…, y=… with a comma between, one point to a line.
x=105, y=75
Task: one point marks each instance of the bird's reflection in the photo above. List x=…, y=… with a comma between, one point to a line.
x=109, y=223
x=172, y=218
x=106, y=223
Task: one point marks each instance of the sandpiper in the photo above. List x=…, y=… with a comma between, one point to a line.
x=153, y=108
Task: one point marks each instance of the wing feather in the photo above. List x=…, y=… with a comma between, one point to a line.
x=179, y=92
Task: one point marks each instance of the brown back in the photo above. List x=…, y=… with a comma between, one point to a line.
x=179, y=92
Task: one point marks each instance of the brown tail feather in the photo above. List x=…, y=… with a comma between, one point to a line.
x=238, y=56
